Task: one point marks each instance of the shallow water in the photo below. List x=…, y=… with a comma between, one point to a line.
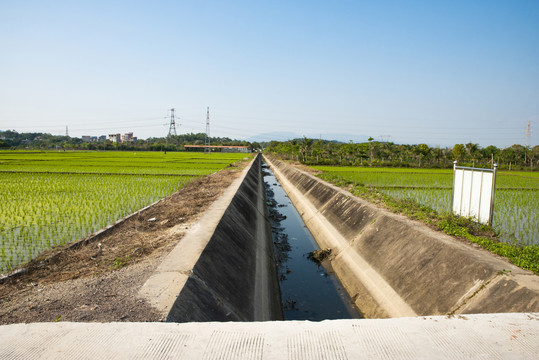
x=308, y=291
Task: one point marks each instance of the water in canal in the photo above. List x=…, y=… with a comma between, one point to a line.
x=308, y=291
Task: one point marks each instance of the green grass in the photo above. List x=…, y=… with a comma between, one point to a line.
x=52, y=198
x=515, y=207
x=120, y=262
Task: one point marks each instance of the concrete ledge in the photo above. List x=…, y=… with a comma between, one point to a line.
x=223, y=269
x=486, y=336
x=393, y=266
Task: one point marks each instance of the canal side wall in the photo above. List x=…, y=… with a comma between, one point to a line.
x=223, y=270
x=393, y=267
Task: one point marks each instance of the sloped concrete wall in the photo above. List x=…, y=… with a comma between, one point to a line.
x=393, y=266
x=235, y=278
x=224, y=269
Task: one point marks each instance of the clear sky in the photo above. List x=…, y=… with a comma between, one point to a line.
x=435, y=72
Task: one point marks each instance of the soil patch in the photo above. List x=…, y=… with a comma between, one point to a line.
x=100, y=280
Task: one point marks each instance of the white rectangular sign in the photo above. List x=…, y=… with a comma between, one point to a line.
x=473, y=193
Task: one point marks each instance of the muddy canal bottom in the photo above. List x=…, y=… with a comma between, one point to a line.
x=309, y=291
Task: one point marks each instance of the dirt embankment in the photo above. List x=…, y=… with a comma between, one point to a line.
x=100, y=281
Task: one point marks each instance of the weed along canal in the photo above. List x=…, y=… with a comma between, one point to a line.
x=309, y=289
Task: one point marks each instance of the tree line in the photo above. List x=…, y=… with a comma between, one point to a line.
x=377, y=153
x=11, y=139
x=306, y=150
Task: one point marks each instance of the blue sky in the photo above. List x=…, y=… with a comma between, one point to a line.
x=435, y=72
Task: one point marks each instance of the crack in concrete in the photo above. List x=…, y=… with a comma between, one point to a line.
x=478, y=287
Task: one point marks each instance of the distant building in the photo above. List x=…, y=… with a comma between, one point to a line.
x=86, y=138
x=93, y=139
x=102, y=138
x=127, y=137
x=115, y=138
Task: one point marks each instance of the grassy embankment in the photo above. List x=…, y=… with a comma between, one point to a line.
x=417, y=193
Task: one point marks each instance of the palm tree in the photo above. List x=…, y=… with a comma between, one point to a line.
x=471, y=149
x=304, y=148
x=458, y=152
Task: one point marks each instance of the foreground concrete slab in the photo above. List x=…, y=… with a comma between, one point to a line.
x=488, y=336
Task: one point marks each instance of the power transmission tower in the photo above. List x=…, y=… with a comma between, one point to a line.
x=67, y=133
x=172, y=127
x=528, y=133
x=207, y=139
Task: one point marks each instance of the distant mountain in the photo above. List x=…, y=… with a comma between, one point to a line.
x=276, y=135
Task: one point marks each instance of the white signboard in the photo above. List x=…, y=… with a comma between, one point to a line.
x=473, y=193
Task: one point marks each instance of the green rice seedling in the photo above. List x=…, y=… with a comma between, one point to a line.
x=52, y=198
x=516, y=206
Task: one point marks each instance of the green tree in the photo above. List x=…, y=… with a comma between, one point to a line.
x=490, y=154
x=256, y=146
x=471, y=150
x=458, y=152
x=304, y=148
x=423, y=151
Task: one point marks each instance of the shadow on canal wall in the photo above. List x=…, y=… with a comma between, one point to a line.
x=392, y=266
x=224, y=269
x=235, y=277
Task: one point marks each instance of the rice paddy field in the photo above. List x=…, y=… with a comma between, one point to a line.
x=53, y=198
x=516, y=207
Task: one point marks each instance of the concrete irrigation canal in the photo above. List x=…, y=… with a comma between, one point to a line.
x=390, y=266
x=309, y=289
x=422, y=294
